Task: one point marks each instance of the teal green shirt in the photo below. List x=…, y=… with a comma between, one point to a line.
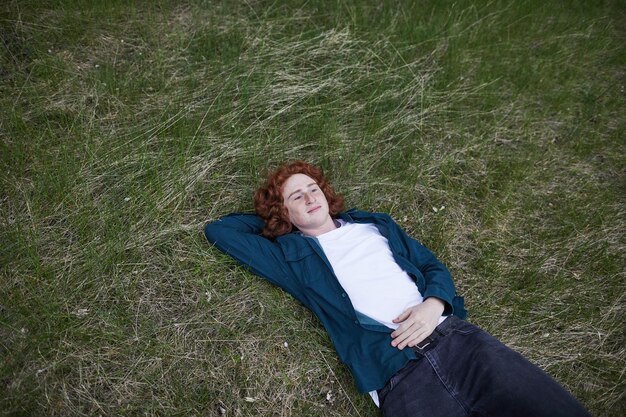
x=298, y=265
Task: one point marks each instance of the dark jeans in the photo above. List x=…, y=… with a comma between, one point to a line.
x=467, y=372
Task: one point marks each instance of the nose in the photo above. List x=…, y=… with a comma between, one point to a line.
x=308, y=198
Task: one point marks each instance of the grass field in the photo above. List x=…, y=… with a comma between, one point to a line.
x=492, y=131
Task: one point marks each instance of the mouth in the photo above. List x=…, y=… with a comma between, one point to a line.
x=314, y=209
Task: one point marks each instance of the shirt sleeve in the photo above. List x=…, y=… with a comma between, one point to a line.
x=438, y=280
x=238, y=235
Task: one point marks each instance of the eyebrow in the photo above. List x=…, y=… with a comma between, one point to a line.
x=299, y=190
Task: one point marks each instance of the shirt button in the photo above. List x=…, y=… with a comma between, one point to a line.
x=356, y=322
x=343, y=294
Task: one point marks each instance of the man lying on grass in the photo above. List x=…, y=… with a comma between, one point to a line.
x=387, y=303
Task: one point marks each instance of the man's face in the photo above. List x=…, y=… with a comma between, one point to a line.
x=306, y=204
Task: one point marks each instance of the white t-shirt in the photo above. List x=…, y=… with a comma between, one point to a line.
x=364, y=265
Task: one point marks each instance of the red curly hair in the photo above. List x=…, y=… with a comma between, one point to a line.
x=268, y=199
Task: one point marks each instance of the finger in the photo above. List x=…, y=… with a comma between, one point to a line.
x=417, y=338
x=412, y=335
x=405, y=314
x=423, y=334
x=413, y=339
x=409, y=326
x=402, y=328
x=404, y=334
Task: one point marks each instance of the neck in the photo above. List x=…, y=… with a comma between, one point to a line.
x=320, y=230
